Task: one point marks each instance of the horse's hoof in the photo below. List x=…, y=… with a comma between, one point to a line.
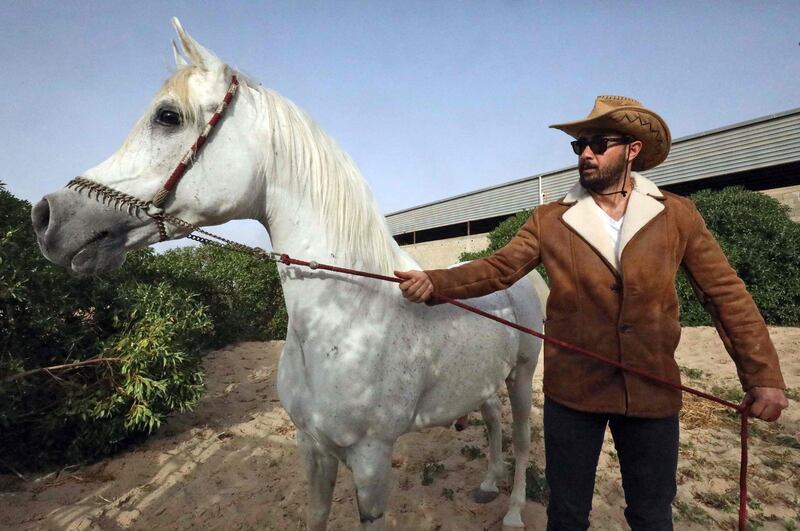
x=513, y=522
x=484, y=496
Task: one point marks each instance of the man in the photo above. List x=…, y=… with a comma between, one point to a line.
x=611, y=248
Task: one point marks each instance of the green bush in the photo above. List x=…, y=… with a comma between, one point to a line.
x=94, y=410
x=500, y=236
x=762, y=243
x=758, y=237
x=151, y=320
x=243, y=295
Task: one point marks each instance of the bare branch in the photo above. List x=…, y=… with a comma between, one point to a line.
x=65, y=367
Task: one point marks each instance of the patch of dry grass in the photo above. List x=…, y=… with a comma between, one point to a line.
x=698, y=412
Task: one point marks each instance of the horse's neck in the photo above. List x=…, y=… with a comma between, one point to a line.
x=320, y=302
x=296, y=229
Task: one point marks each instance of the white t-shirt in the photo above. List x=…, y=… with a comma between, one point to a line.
x=613, y=228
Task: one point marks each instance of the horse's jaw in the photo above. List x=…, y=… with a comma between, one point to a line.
x=86, y=236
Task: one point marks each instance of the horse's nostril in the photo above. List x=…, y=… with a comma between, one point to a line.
x=102, y=235
x=40, y=216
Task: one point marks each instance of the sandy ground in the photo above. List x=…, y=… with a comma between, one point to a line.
x=233, y=464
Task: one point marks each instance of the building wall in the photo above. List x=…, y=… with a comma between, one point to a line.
x=789, y=195
x=767, y=147
x=444, y=253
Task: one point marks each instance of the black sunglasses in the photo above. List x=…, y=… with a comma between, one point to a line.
x=598, y=144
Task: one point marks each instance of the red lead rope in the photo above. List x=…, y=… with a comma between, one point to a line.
x=742, y=410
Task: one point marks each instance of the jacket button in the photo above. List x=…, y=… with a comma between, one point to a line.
x=615, y=287
x=625, y=328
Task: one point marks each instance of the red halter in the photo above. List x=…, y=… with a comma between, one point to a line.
x=154, y=207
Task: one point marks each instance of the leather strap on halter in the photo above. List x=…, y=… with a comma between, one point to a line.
x=161, y=196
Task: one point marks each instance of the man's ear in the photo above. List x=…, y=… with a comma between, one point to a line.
x=634, y=148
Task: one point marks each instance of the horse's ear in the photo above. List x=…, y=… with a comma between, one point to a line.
x=180, y=61
x=198, y=55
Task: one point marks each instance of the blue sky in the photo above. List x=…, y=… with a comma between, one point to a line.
x=431, y=99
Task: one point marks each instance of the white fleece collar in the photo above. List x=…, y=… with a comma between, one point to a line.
x=644, y=204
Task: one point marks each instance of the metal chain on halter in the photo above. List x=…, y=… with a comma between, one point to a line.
x=216, y=240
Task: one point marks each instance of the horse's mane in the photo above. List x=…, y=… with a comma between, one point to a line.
x=178, y=86
x=318, y=166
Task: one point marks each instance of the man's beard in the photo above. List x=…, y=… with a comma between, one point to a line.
x=605, y=178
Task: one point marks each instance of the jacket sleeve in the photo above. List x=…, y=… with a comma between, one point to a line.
x=495, y=272
x=736, y=317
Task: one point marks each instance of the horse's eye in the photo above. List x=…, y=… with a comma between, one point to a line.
x=168, y=117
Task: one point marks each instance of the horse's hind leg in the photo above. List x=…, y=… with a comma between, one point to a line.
x=488, y=490
x=371, y=463
x=321, y=469
x=520, y=385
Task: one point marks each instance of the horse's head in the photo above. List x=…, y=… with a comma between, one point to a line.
x=88, y=231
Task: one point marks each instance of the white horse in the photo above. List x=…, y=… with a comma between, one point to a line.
x=361, y=366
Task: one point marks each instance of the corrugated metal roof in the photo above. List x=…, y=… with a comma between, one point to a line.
x=759, y=143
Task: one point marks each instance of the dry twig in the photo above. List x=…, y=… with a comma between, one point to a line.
x=64, y=367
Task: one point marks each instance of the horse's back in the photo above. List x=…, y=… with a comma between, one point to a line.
x=527, y=299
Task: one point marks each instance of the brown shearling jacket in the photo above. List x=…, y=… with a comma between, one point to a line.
x=625, y=310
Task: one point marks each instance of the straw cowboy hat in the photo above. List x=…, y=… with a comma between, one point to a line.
x=627, y=115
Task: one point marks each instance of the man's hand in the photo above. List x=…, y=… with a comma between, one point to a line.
x=765, y=403
x=416, y=285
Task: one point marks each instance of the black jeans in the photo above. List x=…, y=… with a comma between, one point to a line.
x=648, y=459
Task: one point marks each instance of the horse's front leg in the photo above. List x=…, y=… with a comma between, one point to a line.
x=321, y=469
x=371, y=463
x=520, y=388
x=496, y=471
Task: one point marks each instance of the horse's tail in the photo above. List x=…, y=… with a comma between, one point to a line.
x=531, y=347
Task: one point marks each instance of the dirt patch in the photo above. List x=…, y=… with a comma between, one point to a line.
x=233, y=464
